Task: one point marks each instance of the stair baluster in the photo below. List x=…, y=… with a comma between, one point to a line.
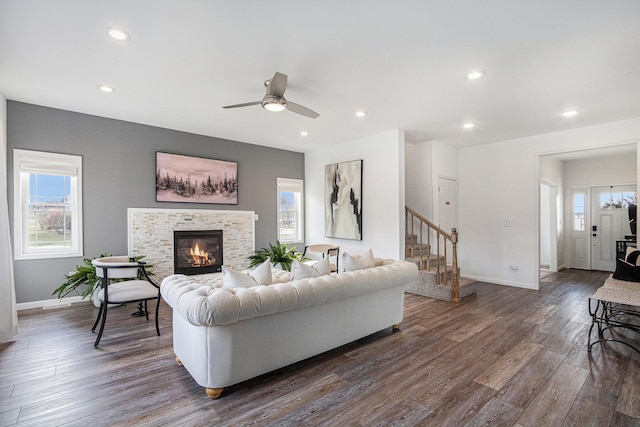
x=425, y=256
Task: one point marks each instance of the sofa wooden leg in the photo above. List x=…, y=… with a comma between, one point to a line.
x=396, y=327
x=178, y=361
x=213, y=393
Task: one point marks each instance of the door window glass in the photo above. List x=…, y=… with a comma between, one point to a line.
x=578, y=211
x=617, y=199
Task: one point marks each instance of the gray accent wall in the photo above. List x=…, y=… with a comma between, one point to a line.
x=119, y=173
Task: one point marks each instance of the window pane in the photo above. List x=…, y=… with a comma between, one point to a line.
x=290, y=215
x=49, y=226
x=616, y=200
x=629, y=198
x=578, y=211
x=49, y=188
x=287, y=215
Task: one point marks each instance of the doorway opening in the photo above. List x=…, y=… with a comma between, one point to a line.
x=548, y=229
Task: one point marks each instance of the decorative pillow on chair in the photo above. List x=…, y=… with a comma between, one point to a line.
x=351, y=263
x=300, y=270
x=632, y=256
x=626, y=271
x=261, y=275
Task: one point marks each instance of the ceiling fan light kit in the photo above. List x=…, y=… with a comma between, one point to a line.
x=274, y=99
x=274, y=104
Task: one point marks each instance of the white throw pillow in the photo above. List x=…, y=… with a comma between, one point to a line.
x=635, y=259
x=369, y=259
x=323, y=266
x=351, y=263
x=261, y=275
x=300, y=270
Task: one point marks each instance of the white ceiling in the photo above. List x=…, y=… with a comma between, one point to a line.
x=403, y=62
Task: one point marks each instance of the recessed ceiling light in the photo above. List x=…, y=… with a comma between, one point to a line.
x=304, y=133
x=118, y=34
x=570, y=113
x=475, y=75
x=105, y=88
x=468, y=125
x=361, y=113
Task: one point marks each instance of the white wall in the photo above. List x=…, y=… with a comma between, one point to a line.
x=552, y=173
x=418, y=180
x=383, y=191
x=601, y=171
x=499, y=183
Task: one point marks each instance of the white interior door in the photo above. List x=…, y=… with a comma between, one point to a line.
x=609, y=222
x=447, y=203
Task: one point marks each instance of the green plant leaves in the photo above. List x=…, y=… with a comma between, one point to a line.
x=85, y=275
x=278, y=253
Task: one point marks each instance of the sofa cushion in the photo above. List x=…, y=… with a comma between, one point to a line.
x=261, y=275
x=300, y=270
x=632, y=256
x=353, y=263
x=626, y=271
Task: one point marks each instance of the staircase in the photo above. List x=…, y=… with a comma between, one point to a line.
x=434, y=251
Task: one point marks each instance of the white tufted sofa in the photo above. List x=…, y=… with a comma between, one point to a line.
x=225, y=336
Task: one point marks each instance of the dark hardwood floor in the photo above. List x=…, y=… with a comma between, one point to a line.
x=505, y=356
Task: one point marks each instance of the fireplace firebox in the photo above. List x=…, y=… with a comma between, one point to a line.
x=197, y=251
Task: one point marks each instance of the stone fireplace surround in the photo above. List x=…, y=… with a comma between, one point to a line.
x=150, y=233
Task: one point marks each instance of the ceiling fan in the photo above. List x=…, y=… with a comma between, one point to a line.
x=274, y=99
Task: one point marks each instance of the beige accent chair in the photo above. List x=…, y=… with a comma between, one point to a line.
x=134, y=285
x=327, y=250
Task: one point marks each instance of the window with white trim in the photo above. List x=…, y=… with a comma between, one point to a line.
x=47, y=205
x=290, y=210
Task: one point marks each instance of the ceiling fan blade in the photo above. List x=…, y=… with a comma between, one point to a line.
x=246, y=104
x=278, y=84
x=299, y=109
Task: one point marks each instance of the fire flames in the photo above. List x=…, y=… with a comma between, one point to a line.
x=198, y=257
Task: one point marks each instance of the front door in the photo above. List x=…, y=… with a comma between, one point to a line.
x=609, y=222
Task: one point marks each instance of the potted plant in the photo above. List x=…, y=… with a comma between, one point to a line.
x=85, y=278
x=280, y=253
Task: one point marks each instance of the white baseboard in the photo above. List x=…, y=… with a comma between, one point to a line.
x=499, y=282
x=50, y=303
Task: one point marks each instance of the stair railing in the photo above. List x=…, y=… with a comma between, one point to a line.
x=424, y=227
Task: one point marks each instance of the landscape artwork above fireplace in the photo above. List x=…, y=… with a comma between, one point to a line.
x=181, y=178
x=197, y=251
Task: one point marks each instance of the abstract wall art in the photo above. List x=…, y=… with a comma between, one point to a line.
x=343, y=200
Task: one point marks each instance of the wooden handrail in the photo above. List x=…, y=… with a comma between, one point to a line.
x=411, y=218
